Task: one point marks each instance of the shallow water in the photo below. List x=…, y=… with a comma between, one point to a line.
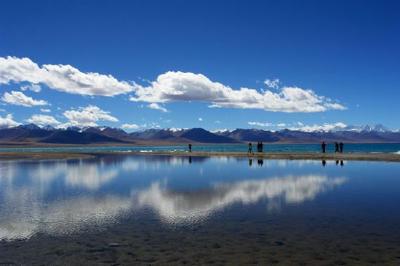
x=181, y=210
x=349, y=147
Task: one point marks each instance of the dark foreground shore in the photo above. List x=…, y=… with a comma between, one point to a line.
x=389, y=157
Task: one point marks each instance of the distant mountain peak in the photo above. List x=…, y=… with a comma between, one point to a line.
x=30, y=126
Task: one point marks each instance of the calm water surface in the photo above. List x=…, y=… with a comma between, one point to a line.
x=181, y=210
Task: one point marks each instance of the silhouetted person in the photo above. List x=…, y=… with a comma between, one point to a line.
x=250, y=162
x=260, y=146
x=250, y=148
x=341, y=147
x=190, y=147
x=260, y=162
x=336, y=147
x=337, y=162
x=323, y=163
x=323, y=147
x=341, y=163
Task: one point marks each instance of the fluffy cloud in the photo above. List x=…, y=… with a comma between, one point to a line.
x=32, y=87
x=65, y=78
x=87, y=116
x=302, y=127
x=44, y=110
x=130, y=126
x=7, y=121
x=259, y=124
x=272, y=83
x=156, y=106
x=19, y=98
x=186, y=86
x=43, y=120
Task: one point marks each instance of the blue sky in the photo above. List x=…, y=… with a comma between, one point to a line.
x=200, y=63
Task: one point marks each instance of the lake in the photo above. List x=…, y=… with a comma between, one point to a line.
x=268, y=147
x=119, y=209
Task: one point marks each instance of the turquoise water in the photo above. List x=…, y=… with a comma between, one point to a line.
x=381, y=147
x=166, y=210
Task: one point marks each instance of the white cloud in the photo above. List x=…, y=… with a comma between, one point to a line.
x=272, y=83
x=324, y=127
x=45, y=110
x=130, y=126
x=65, y=78
x=156, y=106
x=200, y=119
x=151, y=125
x=8, y=121
x=186, y=86
x=32, y=87
x=302, y=127
x=87, y=116
x=259, y=124
x=43, y=120
x=19, y=98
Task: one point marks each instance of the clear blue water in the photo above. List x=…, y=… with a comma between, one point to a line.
x=351, y=147
x=178, y=210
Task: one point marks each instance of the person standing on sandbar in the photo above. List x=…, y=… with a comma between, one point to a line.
x=341, y=147
x=323, y=147
x=250, y=151
x=190, y=147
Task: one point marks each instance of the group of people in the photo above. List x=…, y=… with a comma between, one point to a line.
x=260, y=147
x=338, y=147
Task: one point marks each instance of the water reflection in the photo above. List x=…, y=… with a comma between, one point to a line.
x=41, y=197
x=192, y=206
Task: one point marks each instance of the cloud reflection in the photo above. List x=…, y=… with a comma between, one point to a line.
x=179, y=207
x=25, y=212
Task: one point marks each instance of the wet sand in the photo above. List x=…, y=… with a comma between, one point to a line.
x=389, y=157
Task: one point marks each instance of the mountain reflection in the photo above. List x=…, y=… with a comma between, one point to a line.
x=30, y=208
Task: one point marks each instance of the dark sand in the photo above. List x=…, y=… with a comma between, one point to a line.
x=389, y=157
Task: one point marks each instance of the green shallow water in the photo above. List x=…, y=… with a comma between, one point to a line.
x=350, y=147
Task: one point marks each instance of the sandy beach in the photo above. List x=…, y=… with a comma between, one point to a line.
x=389, y=157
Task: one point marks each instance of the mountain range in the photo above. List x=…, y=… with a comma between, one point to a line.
x=32, y=134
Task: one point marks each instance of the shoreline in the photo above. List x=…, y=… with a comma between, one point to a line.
x=388, y=157
x=164, y=144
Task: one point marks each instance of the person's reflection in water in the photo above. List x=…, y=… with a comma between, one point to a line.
x=341, y=163
x=323, y=163
x=250, y=162
x=260, y=162
x=190, y=159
